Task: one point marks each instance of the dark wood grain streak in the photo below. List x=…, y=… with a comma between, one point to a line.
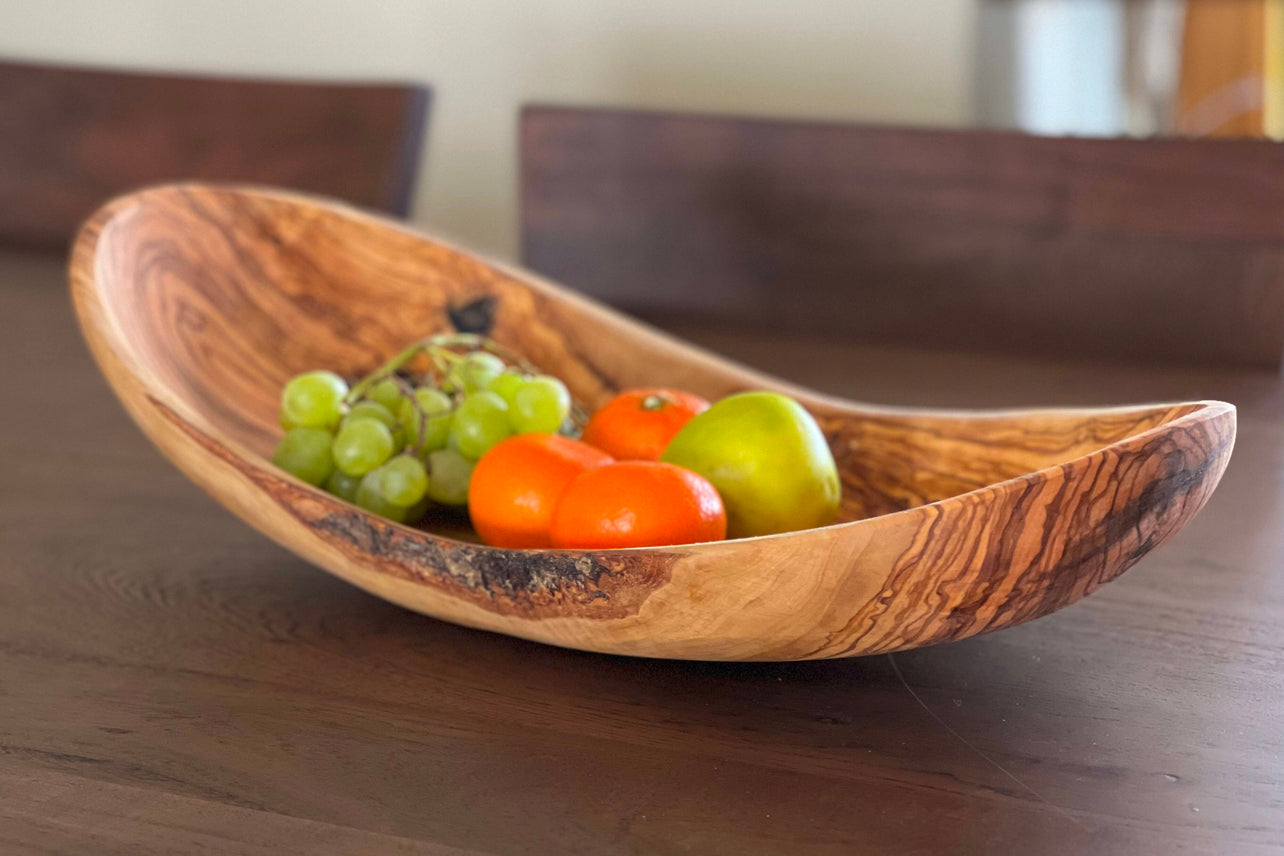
x=894, y=463
x=201, y=302
x=1085, y=544
x=72, y=138
x=1168, y=250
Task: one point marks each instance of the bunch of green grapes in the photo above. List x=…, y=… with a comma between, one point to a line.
x=393, y=446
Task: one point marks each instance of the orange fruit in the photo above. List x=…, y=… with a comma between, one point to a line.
x=638, y=504
x=638, y=424
x=517, y=483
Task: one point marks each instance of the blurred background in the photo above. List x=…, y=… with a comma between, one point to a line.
x=1083, y=67
x=1068, y=178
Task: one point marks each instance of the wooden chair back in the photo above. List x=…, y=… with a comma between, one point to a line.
x=72, y=138
x=1157, y=250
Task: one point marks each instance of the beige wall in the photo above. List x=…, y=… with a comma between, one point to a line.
x=842, y=59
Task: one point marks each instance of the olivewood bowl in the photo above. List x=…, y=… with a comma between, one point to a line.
x=200, y=302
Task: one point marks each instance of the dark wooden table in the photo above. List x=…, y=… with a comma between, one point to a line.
x=172, y=682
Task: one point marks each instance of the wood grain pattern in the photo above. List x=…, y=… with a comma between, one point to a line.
x=199, y=303
x=1159, y=250
x=173, y=682
x=70, y=139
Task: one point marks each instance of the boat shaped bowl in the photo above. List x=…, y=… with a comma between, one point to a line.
x=200, y=301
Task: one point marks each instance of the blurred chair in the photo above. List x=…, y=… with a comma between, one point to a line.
x=72, y=138
x=1155, y=250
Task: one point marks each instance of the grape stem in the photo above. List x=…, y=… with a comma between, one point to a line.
x=408, y=390
x=388, y=369
x=442, y=350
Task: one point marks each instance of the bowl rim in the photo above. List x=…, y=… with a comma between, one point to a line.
x=91, y=307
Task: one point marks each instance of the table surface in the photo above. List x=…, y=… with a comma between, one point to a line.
x=171, y=681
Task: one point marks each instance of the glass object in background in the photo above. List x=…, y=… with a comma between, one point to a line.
x=1051, y=66
x=1152, y=64
x=1077, y=41
x=1132, y=67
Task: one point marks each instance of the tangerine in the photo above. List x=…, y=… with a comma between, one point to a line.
x=637, y=425
x=638, y=504
x=516, y=485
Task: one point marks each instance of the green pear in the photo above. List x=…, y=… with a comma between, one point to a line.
x=768, y=459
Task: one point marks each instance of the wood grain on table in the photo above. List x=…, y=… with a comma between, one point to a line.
x=171, y=681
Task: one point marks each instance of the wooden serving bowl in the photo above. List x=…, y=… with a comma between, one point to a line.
x=200, y=302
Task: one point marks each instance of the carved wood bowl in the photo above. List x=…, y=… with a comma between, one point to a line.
x=200, y=302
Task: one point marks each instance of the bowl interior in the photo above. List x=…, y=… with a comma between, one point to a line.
x=223, y=295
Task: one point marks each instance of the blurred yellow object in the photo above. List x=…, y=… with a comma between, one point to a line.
x=1223, y=68
x=1273, y=106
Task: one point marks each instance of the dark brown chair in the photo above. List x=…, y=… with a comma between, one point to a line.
x=72, y=138
x=1161, y=250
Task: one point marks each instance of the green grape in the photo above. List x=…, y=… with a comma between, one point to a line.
x=305, y=454
x=362, y=445
x=388, y=393
x=313, y=400
x=343, y=485
x=436, y=407
x=507, y=384
x=480, y=422
x=478, y=371
x=370, y=410
x=375, y=410
x=448, y=478
x=371, y=498
x=403, y=480
x=540, y=406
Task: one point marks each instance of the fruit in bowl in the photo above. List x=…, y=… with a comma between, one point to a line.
x=768, y=459
x=456, y=420
x=638, y=424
